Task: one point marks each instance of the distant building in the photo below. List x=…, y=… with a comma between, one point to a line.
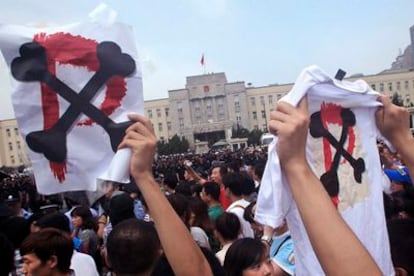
x=209, y=106
x=13, y=151
x=412, y=45
x=405, y=60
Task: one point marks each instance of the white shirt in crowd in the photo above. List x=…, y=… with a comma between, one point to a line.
x=360, y=203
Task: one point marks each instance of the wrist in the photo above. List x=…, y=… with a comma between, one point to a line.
x=143, y=177
x=267, y=239
x=293, y=167
x=403, y=143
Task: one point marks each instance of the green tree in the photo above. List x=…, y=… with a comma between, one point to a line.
x=396, y=99
x=254, y=137
x=174, y=145
x=239, y=132
x=163, y=148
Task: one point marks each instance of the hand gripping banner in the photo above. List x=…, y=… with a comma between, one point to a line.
x=72, y=89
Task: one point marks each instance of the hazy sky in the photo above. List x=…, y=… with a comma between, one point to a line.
x=258, y=41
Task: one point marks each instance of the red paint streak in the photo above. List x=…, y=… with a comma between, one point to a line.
x=331, y=114
x=64, y=48
x=59, y=170
x=335, y=201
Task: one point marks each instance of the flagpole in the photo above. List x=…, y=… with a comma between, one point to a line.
x=203, y=64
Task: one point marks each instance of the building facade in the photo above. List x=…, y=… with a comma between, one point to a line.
x=209, y=106
x=13, y=151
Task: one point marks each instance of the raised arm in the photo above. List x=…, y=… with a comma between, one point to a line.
x=141, y=139
x=394, y=123
x=338, y=249
x=195, y=175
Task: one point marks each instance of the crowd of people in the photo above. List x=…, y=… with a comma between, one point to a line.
x=195, y=214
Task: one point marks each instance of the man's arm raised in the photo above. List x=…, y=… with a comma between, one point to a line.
x=338, y=249
x=183, y=254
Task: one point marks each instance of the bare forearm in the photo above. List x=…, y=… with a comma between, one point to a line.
x=339, y=246
x=406, y=149
x=190, y=260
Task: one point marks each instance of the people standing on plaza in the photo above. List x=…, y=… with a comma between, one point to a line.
x=217, y=174
x=227, y=231
x=47, y=252
x=141, y=139
x=210, y=194
x=233, y=183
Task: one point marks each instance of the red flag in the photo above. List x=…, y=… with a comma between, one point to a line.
x=202, y=60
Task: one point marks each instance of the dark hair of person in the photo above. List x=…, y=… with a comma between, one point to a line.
x=259, y=169
x=16, y=229
x=184, y=189
x=248, y=214
x=88, y=221
x=235, y=165
x=180, y=205
x=242, y=254
x=247, y=184
x=171, y=180
x=212, y=189
x=54, y=220
x=50, y=242
x=121, y=207
x=196, y=190
x=199, y=209
x=133, y=247
x=228, y=225
x=35, y=217
x=6, y=255
x=223, y=169
x=234, y=182
x=401, y=236
x=163, y=267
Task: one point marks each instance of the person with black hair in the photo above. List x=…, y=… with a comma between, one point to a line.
x=401, y=235
x=85, y=227
x=16, y=230
x=163, y=267
x=233, y=183
x=47, y=252
x=141, y=139
x=180, y=204
x=133, y=248
x=227, y=231
x=248, y=257
x=170, y=183
x=218, y=171
x=210, y=194
x=81, y=264
x=6, y=256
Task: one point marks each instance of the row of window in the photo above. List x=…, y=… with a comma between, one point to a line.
x=158, y=111
x=393, y=86
x=8, y=132
x=264, y=127
x=13, y=160
x=262, y=99
x=254, y=114
x=11, y=145
x=160, y=126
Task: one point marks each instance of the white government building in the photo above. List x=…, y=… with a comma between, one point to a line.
x=209, y=107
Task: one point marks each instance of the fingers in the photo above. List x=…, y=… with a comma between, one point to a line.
x=141, y=130
x=141, y=119
x=303, y=105
x=386, y=101
x=142, y=125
